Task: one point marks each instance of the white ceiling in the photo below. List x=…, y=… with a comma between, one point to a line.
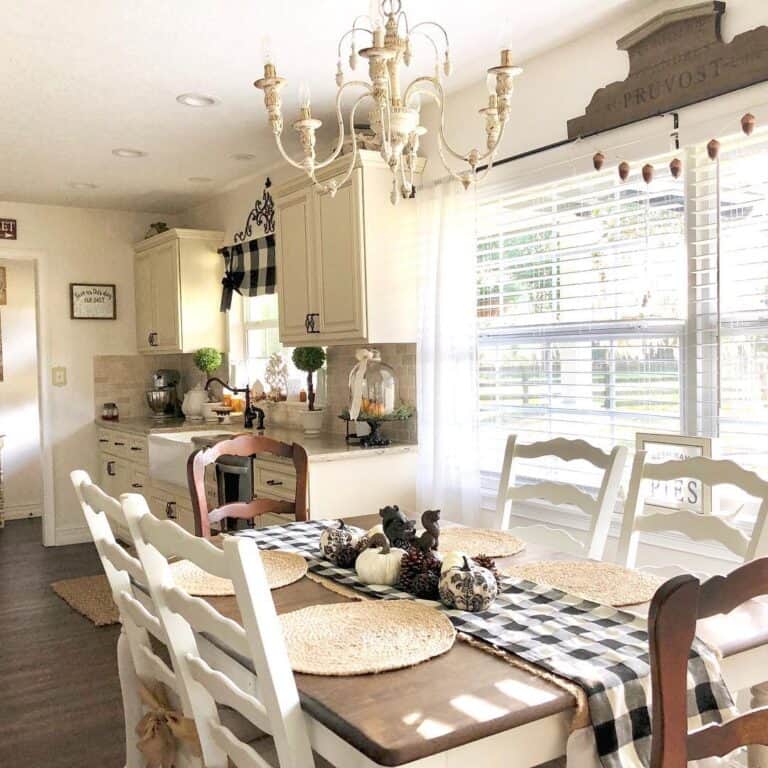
x=83, y=77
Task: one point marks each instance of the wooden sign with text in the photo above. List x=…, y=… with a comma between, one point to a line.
x=7, y=229
x=675, y=59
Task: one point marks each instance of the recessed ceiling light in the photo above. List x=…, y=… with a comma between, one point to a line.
x=82, y=185
x=199, y=179
x=245, y=156
x=125, y=152
x=196, y=100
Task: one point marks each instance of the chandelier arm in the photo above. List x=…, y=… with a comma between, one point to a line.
x=340, y=119
x=328, y=187
x=351, y=31
x=286, y=157
x=432, y=41
x=433, y=24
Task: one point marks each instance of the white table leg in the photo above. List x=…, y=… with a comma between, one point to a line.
x=758, y=756
x=132, y=706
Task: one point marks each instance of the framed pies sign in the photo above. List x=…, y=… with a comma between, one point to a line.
x=92, y=301
x=680, y=493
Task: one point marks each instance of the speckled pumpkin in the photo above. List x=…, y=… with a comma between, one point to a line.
x=334, y=539
x=468, y=588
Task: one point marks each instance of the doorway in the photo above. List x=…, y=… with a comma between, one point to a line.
x=21, y=481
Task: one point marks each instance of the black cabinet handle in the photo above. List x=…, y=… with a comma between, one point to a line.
x=310, y=322
x=103, y=440
x=118, y=443
x=152, y=338
x=170, y=510
x=136, y=485
x=111, y=468
x=274, y=482
x=136, y=448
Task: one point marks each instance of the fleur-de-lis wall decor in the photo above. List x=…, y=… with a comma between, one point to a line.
x=262, y=214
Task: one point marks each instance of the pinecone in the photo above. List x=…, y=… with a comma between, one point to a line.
x=346, y=556
x=415, y=563
x=488, y=562
x=425, y=585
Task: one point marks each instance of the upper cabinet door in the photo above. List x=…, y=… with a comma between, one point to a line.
x=144, y=302
x=294, y=248
x=165, y=292
x=340, y=263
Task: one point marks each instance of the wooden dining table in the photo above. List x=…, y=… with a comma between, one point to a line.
x=474, y=709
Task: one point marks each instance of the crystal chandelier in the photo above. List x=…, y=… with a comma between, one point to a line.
x=394, y=113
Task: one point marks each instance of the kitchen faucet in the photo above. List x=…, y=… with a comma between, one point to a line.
x=251, y=411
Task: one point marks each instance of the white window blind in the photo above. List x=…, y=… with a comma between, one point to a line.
x=582, y=310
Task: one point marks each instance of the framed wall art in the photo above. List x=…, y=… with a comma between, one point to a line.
x=682, y=493
x=92, y=301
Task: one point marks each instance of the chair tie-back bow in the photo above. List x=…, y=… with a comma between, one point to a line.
x=161, y=728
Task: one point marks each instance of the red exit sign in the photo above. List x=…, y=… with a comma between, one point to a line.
x=7, y=229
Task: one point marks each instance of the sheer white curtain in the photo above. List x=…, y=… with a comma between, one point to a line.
x=449, y=474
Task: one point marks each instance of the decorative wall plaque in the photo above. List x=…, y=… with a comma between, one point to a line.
x=675, y=59
x=7, y=229
x=92, y=301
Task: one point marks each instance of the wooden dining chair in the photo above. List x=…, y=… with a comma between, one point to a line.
x=598, y=508
x=271, y=702
x=691, y=523
x=675, y=609
x=245, y=445
x=125, y=574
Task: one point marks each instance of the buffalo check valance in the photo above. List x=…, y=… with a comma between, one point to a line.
x=249, y=269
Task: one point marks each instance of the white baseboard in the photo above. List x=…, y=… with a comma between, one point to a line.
x=79, y=535
x=21, y=511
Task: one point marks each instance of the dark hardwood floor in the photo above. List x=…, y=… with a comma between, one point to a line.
x=60, y=703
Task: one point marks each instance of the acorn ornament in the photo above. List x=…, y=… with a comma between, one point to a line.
x=623, y=170
x=598, y=160
x=676, y=168
x=647, y=173
x=713, y=149
x=748, y=123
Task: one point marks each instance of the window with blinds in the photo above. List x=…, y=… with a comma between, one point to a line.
x=581, y=302
x=607, y=308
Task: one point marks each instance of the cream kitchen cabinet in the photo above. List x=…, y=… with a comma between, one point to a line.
x=177, y=276
x=348, y=264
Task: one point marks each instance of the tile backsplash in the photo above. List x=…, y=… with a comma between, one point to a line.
x=123, y=379
x=401, y=357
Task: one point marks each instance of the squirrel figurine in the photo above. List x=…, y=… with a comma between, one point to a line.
x=430, y=537
x=400, y=531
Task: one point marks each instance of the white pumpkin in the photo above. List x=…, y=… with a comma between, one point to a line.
x=468, y=588
x=452, y=560
x=332, y=539
x=380, y=563
x=379, y=528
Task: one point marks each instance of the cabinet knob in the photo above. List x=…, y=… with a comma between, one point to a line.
x=170, y=510
x=111, y=468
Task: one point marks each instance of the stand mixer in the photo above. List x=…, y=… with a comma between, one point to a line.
x=163, y=398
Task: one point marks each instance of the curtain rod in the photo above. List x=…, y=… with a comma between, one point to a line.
x=565, y=142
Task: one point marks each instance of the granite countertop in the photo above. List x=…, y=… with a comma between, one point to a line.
x=326, y=446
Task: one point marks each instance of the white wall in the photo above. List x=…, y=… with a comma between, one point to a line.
x=18, y=393
x=71, y=245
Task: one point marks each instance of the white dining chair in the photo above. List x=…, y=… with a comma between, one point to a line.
x=270, y=700
x=693, y=524
x=597, y=508
x=137, y=662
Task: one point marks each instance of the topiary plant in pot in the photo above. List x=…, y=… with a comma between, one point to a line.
x=310, y=359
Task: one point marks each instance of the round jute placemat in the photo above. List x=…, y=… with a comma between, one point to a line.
x=361, y=638
x=479, y=541
x=604, y=583
x=282, y=568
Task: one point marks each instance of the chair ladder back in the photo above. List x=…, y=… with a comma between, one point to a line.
x=245, y=445
x=599, y=508
x=676, y=607
x=155, y=541
x=698, y=527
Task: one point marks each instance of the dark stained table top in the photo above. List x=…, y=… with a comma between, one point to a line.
x=466, y=694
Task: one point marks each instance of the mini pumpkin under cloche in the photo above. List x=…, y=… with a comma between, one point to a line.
x=336, y=538
x=468, y=587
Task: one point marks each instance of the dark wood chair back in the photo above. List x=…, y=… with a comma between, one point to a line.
x=675, y=609
x=245, y=445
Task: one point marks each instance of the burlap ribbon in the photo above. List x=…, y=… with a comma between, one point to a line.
x=161, y=728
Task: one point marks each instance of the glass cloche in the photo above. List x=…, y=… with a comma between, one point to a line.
x=372, y=387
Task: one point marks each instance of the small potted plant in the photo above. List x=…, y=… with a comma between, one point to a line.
x=310, y=359
x=206, y=360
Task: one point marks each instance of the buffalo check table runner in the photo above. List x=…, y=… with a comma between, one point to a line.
x=601, y=649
